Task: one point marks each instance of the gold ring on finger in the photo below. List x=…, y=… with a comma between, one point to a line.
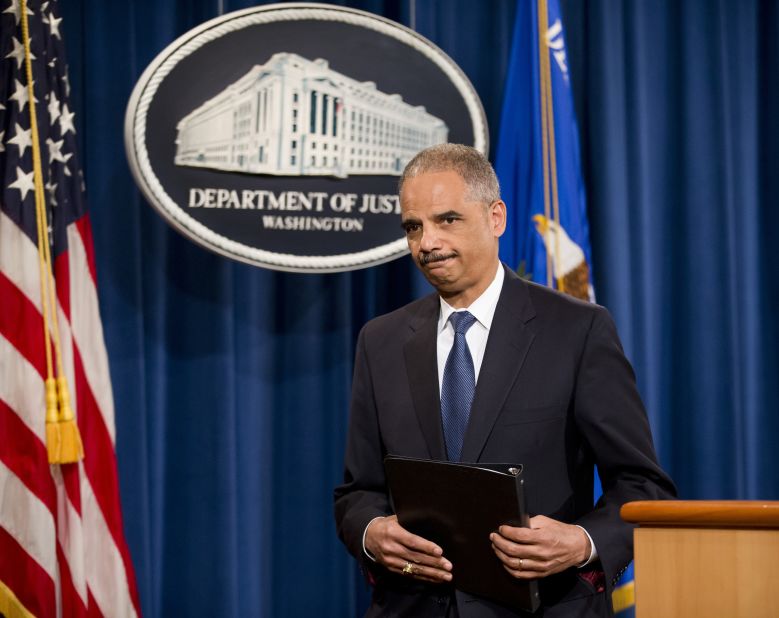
x=408, y=569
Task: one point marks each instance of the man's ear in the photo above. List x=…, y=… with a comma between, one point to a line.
x=497, y=216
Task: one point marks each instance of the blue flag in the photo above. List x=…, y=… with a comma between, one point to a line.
x=537, y=162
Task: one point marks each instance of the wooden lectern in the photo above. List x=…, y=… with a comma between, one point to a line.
x=705, y=558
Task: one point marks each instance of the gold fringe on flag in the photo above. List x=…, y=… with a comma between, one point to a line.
x=71, y=447
x=63, y=440
x=10, y=605
x=53, y=434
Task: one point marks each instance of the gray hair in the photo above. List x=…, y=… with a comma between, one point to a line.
x=472, y=166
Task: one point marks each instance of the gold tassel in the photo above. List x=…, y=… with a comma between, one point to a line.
x=53, y=434
x=63, y=440
x=72, y=449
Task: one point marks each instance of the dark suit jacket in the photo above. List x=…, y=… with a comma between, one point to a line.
x=555, y=393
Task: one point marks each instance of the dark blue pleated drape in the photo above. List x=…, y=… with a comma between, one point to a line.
x=681, y=156
x=231, y=383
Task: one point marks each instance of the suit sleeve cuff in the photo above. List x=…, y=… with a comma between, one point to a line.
x=364, y=532
x=593, y=550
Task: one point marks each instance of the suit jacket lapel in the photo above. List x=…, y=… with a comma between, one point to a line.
x=422, y=369
x=509, y=340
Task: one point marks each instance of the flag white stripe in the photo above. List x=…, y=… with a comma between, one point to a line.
x=105, y=572
x=19, y=259
x=88, y=329
x=22, y=389
x=28, y=520
x=70, y=533
x=66, y=345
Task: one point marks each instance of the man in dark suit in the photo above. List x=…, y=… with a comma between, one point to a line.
x=492, y=368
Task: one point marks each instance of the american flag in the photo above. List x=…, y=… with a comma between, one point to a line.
x=62, y=545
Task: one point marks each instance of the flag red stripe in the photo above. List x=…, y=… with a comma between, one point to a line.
x=29, y=582
x=25, y=455
x=62, y=277
x=22, y=324
x=70, y=476
x=102, y=477
x=72, y=604
x=84, y=227
x=93, y=610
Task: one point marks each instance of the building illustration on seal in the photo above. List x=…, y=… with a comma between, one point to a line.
x=296, y=117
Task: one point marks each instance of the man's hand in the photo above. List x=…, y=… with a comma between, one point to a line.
x=548, y=546
x=394, y=547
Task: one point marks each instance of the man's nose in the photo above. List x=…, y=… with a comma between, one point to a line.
x=429, y=240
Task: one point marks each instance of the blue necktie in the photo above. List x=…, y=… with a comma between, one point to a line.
x=457, y=387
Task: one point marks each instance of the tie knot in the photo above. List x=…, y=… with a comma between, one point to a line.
x=462, y=321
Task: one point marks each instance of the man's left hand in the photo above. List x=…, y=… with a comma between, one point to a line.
x=548, y=546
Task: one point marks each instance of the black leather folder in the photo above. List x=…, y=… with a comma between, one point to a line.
x=457, y=506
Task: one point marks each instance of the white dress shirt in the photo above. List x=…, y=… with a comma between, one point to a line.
x=483, y=309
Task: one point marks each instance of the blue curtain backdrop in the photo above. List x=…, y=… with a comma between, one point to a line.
x=677, y=102
x=232, y=383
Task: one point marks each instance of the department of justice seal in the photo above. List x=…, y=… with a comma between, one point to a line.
x=275, y=135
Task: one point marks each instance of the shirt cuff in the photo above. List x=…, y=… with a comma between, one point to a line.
x=364, y=532
x=593, y=551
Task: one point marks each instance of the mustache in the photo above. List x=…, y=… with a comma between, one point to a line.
x=426, y=258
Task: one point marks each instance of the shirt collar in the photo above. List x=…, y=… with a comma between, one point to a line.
x=483, y=308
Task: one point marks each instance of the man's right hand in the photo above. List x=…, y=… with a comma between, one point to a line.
x=395, y=547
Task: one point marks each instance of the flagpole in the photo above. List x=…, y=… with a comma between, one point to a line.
x=543, y=60
x=551, y=206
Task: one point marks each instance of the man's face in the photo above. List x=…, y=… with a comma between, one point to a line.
x=453, y=240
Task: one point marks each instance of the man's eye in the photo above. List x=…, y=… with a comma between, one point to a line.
x=411, y=228
x=450, y=220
